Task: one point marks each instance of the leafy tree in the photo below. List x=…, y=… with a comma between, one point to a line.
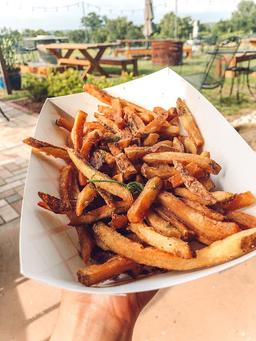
x=76, y=36
x=9, y=41
x=222, y=26
x=118, y=28
x=33, y=33
x=167, y=26
x=244, y=18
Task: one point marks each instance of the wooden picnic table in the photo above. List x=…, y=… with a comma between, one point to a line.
x=64, y=52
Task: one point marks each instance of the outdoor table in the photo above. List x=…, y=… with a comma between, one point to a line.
x=239, y=56
x=64, y=53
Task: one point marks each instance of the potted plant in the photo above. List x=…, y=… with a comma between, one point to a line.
x=8, y=42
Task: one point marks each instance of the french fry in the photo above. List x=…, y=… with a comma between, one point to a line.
x=82, y=179
x=178, y=145
x=118, y=221
x=151, y=139
x=140, y=207
x=159, y=122
x=136, y=152
x=101, y=157
x=207, y=230
x=204, y=209
x=162, y=171
x=134, y=122
x=101, y=180
x=122, y=162
x=208, y=184
x=97, y=214
x=47, y=148
x=186, y=233
x=118, y=114
x=238, y=201
x=78, y=130
x=90, y=140
x=224, y=197
x=144, y=114
x=64, y=185
x=159, y=110
x=243, y=219
x=101, y=95
x=96, y=273
x=86, y=242
x=162, y=226
x=190, y=146
x=53, y=204
x=85, y=197
x=65, y=123
x=175, y=246
x=106, y=197
x=188, y=122
x=205, y=153
x=170, y=131
x=108, y=124
x=193, y=169
x=219, y=252
x=168, y=157
x=194, y=185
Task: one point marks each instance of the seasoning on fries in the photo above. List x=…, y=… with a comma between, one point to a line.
x=138, y=191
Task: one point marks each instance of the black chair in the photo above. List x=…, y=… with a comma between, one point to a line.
x=219, y=61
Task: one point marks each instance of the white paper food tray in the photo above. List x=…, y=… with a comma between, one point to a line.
x=48, y=249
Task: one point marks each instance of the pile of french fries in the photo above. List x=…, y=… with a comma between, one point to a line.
x=140, y=193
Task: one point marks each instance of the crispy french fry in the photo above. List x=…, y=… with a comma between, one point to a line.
x=219, y=252
x=190, y=146
x=207, y=230
x=117, y=112
x=186, y=233
x=162, y=171
x=97, y=273
x=178, y=145
x=204, y=209
x=78, y=130
x=170, y=131
x=162, y=226
x=158, y=123
x=134, y=122
x=108, y=124
x=90, y=140
x=175, y=246
x=106, y=197
x=101, y=157
x=85, y=197
x=188, y=122
x=136, y=152
x=224, y=197
x=101, y=180
x=65, y=123
x=220, y=197
x=64, y=185
x=118, y=221
x=86, y=242
x=98, y=213
x=140, y=207
x=207, y=183
x=159, y=110
x=47, y=148
x=151, y=139
x=168, y=157
x=193, y=169
x=53, y=204
x=238, y=201
x=101, y=95
x=82, y=179
x=194, y=185
x=144, y=114
x=205, y=153
x=243, y=219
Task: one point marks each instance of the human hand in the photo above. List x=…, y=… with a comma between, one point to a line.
x=99, y=317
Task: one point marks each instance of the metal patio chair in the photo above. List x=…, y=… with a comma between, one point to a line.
x=219, y=61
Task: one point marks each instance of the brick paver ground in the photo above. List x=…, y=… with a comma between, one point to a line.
x=219, y=307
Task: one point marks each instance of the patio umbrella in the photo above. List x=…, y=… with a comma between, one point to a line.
x=148, y=17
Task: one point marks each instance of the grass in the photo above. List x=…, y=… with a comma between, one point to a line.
x=228, y=106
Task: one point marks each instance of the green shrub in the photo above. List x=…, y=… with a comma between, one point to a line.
x=65, y=83
x=36, y=86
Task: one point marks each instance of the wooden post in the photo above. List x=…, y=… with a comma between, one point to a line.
x=5, y=74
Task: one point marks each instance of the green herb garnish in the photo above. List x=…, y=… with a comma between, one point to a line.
x=133, y=186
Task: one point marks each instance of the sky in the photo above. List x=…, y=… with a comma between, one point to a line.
x=66, y=14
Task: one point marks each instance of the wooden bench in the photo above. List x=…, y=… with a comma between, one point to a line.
x=133, y=52
x=73, y=62
x=121, y=61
